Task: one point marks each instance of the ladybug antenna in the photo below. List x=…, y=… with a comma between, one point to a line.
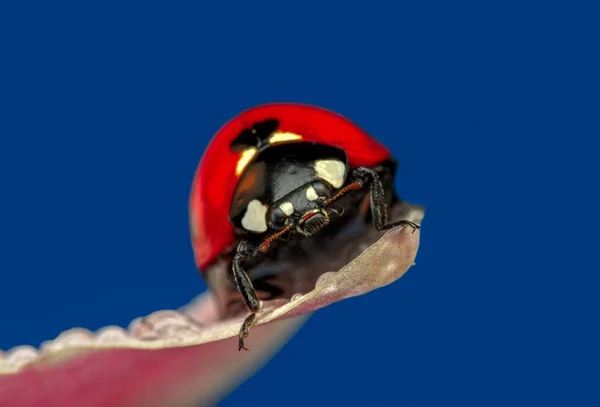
x=255, y=137
x=264, y=246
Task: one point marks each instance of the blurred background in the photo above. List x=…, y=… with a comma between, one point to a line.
x=106, y=108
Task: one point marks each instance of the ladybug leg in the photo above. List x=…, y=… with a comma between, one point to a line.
x=244, y=284
x=245, y=330
x=366, y=176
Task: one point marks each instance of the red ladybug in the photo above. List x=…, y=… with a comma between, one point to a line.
x=274, y=188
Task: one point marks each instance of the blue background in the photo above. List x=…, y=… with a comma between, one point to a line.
x=490, y=106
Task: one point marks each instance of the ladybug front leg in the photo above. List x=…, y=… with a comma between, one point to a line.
x=365, y=176
x=244, y=284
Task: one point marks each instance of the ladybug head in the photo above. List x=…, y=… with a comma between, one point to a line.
x=302, y=209
x=287, y=186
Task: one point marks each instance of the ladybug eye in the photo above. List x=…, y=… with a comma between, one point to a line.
x=321, y=190
x=277, y=219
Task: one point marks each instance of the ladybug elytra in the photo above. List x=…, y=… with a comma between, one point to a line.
x=282, y=185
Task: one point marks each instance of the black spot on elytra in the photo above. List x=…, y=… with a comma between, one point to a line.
x=256, y=136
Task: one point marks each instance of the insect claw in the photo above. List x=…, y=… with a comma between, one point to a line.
x=337, y=210
x=241, y=345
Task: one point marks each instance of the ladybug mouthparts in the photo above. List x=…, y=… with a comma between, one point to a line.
x=312, y=222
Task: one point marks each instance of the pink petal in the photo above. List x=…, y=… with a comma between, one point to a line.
x=178, y=358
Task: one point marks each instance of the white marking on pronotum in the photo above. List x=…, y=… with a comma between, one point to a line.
x=311, y=194
x=255, y=218
x=332, y=171
x=287, y=208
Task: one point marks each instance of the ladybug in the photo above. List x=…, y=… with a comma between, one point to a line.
x=276, y=189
